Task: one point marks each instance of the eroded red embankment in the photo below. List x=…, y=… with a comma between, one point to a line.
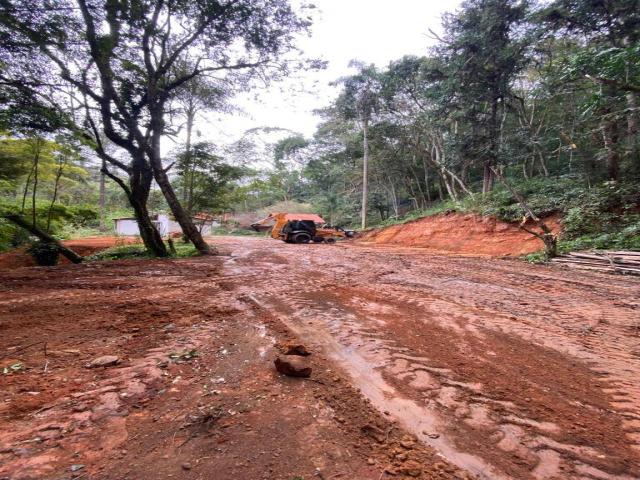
x=461, y=233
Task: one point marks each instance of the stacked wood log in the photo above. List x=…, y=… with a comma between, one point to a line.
x=624, y=262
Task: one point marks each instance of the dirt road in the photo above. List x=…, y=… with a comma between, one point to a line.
x=429, y=366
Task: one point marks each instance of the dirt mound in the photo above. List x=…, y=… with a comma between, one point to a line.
x=83, y=246
x=461, y=233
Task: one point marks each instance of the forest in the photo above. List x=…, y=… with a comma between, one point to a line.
x=516, y=99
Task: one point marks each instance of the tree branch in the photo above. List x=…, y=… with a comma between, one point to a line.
x=627, y=87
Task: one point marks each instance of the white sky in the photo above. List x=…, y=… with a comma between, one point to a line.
x=372, y=31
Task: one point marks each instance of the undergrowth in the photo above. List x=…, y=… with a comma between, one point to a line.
x=183, y=250
x=236, y=231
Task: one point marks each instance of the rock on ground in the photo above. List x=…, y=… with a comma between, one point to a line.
x=104, y=361
x=293, y=366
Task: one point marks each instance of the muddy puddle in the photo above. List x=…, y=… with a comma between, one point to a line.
x=419, y=420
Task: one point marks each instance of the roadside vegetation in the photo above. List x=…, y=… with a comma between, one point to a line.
x=605, y=216
x=121, y=252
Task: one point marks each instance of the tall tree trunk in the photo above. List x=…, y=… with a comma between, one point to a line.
x=140, y=186
x=26, y=189
x=187, y=189
x=102, y=199
x=365, y=172
x=55, y=193
x=419, y=186
x=610, y=140
x=440, y=192
x=181, y=216
x=426, y=181
x=191, y=167
x=633, y=143
x=36, y=161
x=451, y=190
x=394, y=199
x=488, y=175
x=543, y=164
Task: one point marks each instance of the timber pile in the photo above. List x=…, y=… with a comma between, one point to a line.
x=624, y=262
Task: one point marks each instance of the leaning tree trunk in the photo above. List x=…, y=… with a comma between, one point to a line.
x=548, y=238
x=162, y=179
x=45, y=237
x=137, y=191
x=181, y=216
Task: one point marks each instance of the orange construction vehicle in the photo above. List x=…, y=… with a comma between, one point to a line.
x=300, y=228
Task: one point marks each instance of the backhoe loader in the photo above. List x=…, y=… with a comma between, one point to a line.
x=300, y=228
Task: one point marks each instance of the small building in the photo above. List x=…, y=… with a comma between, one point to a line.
x=128, y=226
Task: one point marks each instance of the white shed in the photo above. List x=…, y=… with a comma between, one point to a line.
x=128, y=226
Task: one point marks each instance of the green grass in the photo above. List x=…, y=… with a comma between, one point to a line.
x=236, y=231
x=68, y=232
x=183, y=250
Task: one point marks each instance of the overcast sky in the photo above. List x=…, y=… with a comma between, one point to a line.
x=373, y=31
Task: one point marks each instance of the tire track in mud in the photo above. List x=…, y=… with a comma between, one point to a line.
x=422, y=338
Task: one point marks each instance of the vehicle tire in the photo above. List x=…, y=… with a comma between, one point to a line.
x=318, y=239
x=301, y=237
x=330, y=240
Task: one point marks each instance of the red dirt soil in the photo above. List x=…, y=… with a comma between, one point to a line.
x=424, y=365
x=461, y=233
x=224, y=414
x=82, y=246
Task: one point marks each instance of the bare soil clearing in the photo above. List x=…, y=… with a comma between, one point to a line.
x=424, y=366
x=461, y=233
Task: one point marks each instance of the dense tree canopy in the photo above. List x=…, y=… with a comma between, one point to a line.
x=112, y=69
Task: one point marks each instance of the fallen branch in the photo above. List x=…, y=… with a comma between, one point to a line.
x=2, y=357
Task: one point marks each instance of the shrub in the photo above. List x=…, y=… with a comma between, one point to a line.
x=120, y=252
x=44, y=253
